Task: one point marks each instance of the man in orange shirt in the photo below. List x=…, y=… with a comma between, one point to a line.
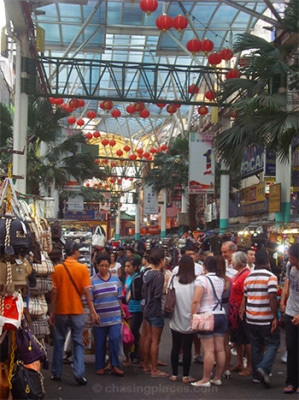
x=71, y=280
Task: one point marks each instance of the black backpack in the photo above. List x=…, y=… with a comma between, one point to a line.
x=137, y=285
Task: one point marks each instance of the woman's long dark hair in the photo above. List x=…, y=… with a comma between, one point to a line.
x=186, y=271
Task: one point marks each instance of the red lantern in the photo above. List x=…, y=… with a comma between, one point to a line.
x=202, y=110
x=113, y=164
x=91, y=114
x=171, y=108
x=127, y=148
x=132, y=157
x=210, y=95
x=139, y=151
x=163, y=147
x=164, y=22
x=139, y=106
x=97, y=161
x=233, y=73
x=108, y=105
x=161, y=105
x=153, y=151
x=119, y=153
x=105, y=142
x=71, y=120
x=105, y=161
x=149, y=158
x=96, y=134
x=194, y=46
x=180, y=22
x=115, y=113
x=80, y=122
x=112, y=142
x=214, y=58
x=88, y=135
x=130, y=109
x=81, y=103
x=146, y=155
x=144, y=113
x=226, y=54
x=74, y=103
x=193, y=89
x=59, y=101
x=207, y=46
x=52, y=100
x=148, y=6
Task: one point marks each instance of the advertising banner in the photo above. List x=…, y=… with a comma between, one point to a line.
x=201, y=163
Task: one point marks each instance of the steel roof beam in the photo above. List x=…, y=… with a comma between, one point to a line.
x=177, y=78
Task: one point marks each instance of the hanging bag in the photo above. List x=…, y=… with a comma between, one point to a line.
x=29, y=348
x=27, y=383
x=98, y=239
x=170, y=300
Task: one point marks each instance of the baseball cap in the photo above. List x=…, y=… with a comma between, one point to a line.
x=71, y=246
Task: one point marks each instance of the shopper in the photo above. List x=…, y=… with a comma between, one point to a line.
x=212, y=342
x=260, y=291
x=71, y=280
x=291, y=320
x=182, y=335
x=106, y=292
x=237, y=326
x=153, y=314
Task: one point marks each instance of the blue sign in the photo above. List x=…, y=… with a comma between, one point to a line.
x=253, y=161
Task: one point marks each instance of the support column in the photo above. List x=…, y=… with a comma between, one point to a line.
x=224, y=199
x=117, y=225
x=20, y=125
x=163, y=213
x=283, y=176
x=184, y=200
x=137, y=213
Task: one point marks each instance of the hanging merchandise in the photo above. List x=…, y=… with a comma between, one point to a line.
x=260, y=236
x=98, y=238
x=244, y=238
x=13, y=276
x=29, y=348
x=11, y=309
x=27, y=383
x=46, y=266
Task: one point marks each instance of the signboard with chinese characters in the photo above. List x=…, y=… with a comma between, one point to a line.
x=150, y=200
x=253, y=199
x=275, y=197
x=201, y=163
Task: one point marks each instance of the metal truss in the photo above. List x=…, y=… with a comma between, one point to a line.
x=127, y=81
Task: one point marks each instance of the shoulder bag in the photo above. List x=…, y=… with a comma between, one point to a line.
x=170, y=300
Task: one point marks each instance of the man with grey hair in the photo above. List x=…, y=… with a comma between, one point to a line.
x=227, y=250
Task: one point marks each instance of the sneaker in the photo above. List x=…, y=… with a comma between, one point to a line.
x=81, y=380
x=284, y=357
x=255, y=380
x=263, y=376
x=226, y=374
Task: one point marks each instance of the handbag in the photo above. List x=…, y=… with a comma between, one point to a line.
x=46, y=267
x=127, y=335
x=13, y=275
x=170, y=300
x=203, y=322
x=37, y=305
x=40, y=326
x=43, y=285
x=29, y=348
x=15, y=237
x=98, y=238
x=27, y=383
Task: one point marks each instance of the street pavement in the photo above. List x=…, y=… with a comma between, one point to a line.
x=136, y=385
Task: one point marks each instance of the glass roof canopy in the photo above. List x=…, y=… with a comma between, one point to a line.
x=119, y=31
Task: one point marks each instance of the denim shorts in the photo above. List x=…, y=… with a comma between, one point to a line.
x=157, y=322
x=220, y=327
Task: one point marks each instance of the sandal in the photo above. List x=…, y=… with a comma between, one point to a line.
x=159, y=374
x=100, y=372
x=188, y=379
x=173, y=378
x=161, y=364
x=289, y=389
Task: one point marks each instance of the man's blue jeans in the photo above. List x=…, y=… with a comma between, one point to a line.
x=264, y=346
x=76, y=323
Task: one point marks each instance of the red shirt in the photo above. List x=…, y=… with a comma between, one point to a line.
x=237, y=288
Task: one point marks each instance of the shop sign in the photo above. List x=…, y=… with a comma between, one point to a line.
x=253, y=199
x=253, y=162
x=275, y=198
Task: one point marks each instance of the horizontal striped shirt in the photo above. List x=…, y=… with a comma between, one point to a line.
x=106, y=296
x=257, y=287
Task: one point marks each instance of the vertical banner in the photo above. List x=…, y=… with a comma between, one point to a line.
x=201, y=163
x=150, y=200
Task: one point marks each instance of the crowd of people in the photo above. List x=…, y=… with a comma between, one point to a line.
x=238, y=286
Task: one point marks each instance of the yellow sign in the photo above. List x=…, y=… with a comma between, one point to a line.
x=253, y=194
x=275, y=197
